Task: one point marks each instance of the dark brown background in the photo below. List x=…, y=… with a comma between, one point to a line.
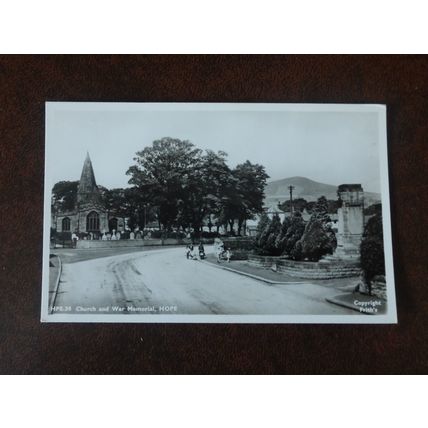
x=27, y=346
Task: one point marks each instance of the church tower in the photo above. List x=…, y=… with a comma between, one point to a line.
x=87, y=191
x=92, y=216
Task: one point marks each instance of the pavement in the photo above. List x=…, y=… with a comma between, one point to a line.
x=74, y=255
x=268, y=275
x=54, y=264
x=362, y=303
x=150, y=280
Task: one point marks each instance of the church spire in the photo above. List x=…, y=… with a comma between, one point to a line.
x=87, y=190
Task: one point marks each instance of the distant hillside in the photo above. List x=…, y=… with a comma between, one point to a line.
x=277, y=191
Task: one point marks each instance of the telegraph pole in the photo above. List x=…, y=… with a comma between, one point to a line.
x=291, y=188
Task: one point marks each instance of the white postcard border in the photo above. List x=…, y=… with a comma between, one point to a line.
x=389, y=318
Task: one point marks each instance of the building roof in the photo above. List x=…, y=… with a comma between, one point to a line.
x=87, y=183
x=87, y=191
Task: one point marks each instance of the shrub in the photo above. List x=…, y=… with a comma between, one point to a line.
x=318, y=239
x=297, y=251
x=272, y=234
x=262, y=230
x=281, y=239
x=294, y=229
x=313, y=240
x=266, y=239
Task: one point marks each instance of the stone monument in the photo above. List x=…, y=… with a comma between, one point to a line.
x=350, y=221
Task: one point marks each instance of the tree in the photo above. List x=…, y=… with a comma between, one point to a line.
x=187, y=186
x=310, y=206
x=373, y=209
x=164, y=172
x=115, y=200
x=372, y=251
x=64, y=195
x=212, y=185
x=215, y=180
x=325, y=205
x=333, y=205
x=299, y=204
x=139, y=211
x=245, y=194
x=320, y=211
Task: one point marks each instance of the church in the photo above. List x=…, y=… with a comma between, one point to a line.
x=90, y=215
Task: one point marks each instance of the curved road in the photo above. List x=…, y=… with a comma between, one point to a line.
x=165, y=277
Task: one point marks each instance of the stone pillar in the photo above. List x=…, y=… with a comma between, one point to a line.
x=350, y=221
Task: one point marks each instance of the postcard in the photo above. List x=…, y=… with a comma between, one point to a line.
x=217, y=213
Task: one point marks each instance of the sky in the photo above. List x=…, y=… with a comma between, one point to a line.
x=330, y=147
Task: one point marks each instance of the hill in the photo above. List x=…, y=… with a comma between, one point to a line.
x=277, y=191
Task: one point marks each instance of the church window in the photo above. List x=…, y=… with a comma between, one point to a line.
x=93, y=222
x=66, y=224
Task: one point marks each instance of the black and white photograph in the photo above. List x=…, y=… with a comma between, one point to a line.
x=217, y=213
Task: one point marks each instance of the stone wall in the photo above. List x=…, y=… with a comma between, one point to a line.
x=83, y=243
x=307, y=270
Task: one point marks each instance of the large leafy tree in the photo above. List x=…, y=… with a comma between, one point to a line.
x=206, y=189
x=116, y=201
x=217, y=184
x=245, y=194
x=165, y=172
x=140, y=212
x=187, y=186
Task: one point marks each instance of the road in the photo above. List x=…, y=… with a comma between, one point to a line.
x=165, y=277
